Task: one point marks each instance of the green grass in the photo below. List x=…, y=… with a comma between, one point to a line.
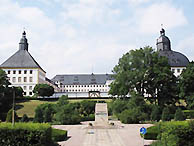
x=28, y=107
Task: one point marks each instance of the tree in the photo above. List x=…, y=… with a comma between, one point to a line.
x=187, y=85
x=10, y=114
x=146, y=73
x=43, y=90
x=6, y=95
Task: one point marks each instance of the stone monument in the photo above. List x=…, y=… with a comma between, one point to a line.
x=101, y=114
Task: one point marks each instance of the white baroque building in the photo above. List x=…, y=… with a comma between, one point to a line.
x=22, y=69
x=84, y=85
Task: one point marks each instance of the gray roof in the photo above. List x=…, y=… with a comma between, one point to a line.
x=22, y=58
x=175, y=59
x=83, y=79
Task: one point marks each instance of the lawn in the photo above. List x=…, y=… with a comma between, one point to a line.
x=28, y=107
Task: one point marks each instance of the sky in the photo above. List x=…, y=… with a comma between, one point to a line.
x=85, y=36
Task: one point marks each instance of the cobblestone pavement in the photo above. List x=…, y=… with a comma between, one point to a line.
x=123, y=135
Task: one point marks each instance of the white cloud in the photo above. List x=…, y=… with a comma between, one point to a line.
x=186, y=46
x=153, y=16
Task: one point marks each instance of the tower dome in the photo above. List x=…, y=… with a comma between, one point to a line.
x=163, y=42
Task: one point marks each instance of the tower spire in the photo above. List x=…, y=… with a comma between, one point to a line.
x=23, y=45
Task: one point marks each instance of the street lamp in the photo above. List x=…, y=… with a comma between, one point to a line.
x=13, y=111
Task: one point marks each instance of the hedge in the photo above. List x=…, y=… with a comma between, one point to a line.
x=25, y=134
x=152, y=133
x=59, y=135
x=189, y=114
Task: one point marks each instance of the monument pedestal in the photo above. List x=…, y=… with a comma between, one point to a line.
x=101, y=115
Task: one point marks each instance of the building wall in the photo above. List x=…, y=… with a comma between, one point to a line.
x=25, y=78
x=177, y=70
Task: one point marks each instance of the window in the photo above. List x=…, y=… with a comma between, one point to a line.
x=19, y=79
x=8, y=71
x=14, y=72
x=14, y=79
x=20, y=71
x=173, y=70
x=31, y=71
x=30, y=93
x=31, y=79
x=25, y=79
x=24, y=87
x=25, y=71
x=24, y=93
x=30, y=87
x=178, y=70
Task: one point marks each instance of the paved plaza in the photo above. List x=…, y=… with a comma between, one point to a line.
x=121, y=135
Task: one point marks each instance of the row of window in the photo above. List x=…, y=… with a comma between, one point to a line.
x=69, y=86
x=86, y=90
x=20, y=79
x=19, y=71
x=25, y=93
x=25, y=88
x=178, y=70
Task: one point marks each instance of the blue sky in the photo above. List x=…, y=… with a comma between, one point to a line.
x=84, y=36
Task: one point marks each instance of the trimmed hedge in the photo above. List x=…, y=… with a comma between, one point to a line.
x=155, y=131
x=59, y=135
x=152, y=133
x=25, y=134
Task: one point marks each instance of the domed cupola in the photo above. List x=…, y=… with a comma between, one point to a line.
x=163, y=42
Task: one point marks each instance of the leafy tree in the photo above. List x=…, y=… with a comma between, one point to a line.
x=187, y=85
x=18, y=91
x=179, y=115
x=43, y=90
x=147, y=73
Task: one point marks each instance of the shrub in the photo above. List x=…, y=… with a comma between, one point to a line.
x=132, y=116
x=9, y=116
x=44, y=113
x=24, y=118
x=25, y=134
x=166, y=114
x=59, y=135
x=179, y=115
x=155, y=114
